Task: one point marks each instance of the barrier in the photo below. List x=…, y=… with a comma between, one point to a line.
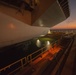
x=22, y=62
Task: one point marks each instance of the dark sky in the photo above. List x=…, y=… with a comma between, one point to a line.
x=69, y=23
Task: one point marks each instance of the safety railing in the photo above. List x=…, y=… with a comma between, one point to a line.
x=21, y=63
x=32, y=56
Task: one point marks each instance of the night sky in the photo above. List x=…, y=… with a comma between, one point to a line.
x=69, y=23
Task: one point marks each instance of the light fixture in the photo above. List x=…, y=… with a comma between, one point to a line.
x=48, y=45
x=38, y=43
x=49, y=32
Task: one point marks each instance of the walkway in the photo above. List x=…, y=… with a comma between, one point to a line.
x=70, y=65
x=37, y=67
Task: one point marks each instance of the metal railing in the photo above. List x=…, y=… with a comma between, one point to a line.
x=23, y=61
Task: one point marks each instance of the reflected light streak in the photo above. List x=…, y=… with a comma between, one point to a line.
x=49, y=32
x=41, y=23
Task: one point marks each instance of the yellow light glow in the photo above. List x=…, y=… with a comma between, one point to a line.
x=49, y=32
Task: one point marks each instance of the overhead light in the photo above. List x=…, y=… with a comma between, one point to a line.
x=48, y=45
x=41, y=23
x=49, y=32
x=38, y=43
